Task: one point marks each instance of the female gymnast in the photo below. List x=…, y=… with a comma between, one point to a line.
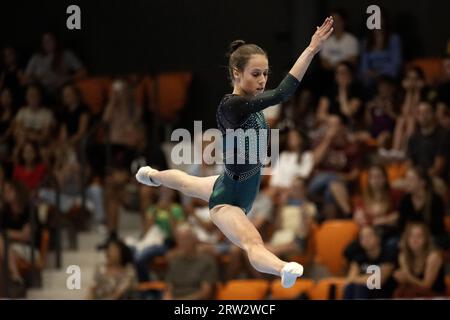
x=231, y=194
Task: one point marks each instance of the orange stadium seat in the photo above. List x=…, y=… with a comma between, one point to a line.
x=172, y=93
x=331, y=239
x=323, y=289
x=447, y=283
x=94, y=92
x=301, y=286
x=252, y=289
x=432, y=67
x=447, y=223
x=152, y=285
x=144, y=92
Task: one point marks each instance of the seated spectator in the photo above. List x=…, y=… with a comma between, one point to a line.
x=191, y=275
x=337, y=167
x=53, y=66
x=342, y=46
x=378, y=204
x=67, y=171
x=381, y=54
x=343, y=99
x=12, y=75
x=443, y=99
x=7, y=114
x=15, y=221
x=428, y=148
x=413, y=84
x=295, y=161
x=161, y=219
x=126, y=135
x=33, y=121
x=371, y=253
x=74, y=118
x=422, y=204
x=381, y=113
x=28, y=166
x=293, y=221
x=116, y=278
x=421, y=270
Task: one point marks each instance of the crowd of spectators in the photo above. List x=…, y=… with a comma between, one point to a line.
x=366, y=139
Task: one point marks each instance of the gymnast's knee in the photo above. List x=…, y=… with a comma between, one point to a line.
x=250, y=243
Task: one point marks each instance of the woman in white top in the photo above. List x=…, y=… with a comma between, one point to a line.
x=293, y=162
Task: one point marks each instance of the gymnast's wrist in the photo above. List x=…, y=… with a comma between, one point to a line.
x=311, y=50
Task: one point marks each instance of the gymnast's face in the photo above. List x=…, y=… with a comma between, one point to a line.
x=252, y=80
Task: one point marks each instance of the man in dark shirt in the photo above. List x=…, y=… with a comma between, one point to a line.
x=428, y=147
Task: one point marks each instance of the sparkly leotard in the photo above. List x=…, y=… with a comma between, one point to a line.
x=238, y=185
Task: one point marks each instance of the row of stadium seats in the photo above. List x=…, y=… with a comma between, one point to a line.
x=167, y=93
x=257, y=289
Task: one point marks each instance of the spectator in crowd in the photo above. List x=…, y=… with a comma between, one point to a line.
x=68, y=173
x=295, y=161
x=378, y=204
x=74, y=117
x=381, y=54
x=337, y=167
x=372, y=253
x=421, y=270
x=423, y=204
x=344, y=99
x=293, y=221
x=116, y=278
x=413, y=84
x=342, y=46
x=163, y=216
x=381, y=112
x=33, y=121
x=428, y=148
x=53, y=66
x=15, y=221
x=126, y=135
x=191, y=275
x=443, y=99
x=12, y=76
x=7, y=114
x=28, y=167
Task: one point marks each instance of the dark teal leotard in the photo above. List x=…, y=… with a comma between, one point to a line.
x=238, y=185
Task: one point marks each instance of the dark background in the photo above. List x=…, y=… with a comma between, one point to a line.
x=150, y=36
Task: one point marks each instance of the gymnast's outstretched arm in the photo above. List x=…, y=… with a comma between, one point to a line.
x=246, y=105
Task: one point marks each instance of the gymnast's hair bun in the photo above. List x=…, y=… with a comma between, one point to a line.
x=235, y=45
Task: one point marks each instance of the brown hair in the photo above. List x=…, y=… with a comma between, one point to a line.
x=239, y=54
x=404, y=246
x=423, y=175
x=369, y=193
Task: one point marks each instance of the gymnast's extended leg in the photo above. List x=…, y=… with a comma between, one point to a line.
x=235, y=225
x=231, y=220
x=197, y=187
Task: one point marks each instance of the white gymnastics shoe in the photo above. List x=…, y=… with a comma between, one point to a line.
x=289, y=274
x=143, y=176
